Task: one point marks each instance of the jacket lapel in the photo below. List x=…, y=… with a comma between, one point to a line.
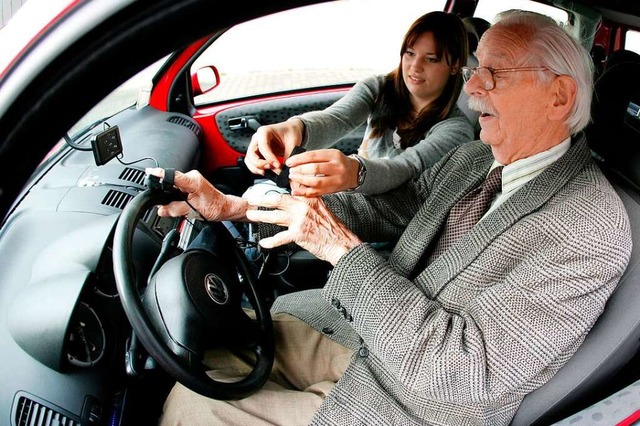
x=458, y=178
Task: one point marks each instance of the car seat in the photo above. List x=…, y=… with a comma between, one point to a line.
x=614, y=133
x=619, y=57
x=614, y=138
x=599, y=57
x=475, y=28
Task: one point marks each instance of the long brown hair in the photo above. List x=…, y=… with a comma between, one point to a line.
x=393, y=106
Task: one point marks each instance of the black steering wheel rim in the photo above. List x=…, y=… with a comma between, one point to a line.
x=193, y=378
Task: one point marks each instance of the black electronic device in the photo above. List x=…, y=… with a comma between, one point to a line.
x=106, y=145
x=282, y=179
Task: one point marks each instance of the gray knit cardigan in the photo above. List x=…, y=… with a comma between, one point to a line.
x=324, y=128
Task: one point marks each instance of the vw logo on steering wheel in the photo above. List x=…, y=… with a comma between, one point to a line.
x=216, y=289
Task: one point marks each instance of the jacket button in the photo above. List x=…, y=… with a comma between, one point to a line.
x=335, y=302
x=363, y=352
x=327, y=330
x=349, y=318
x=343, y=311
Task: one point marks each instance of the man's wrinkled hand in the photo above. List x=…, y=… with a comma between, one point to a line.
x=202, y=196
x=311, y=225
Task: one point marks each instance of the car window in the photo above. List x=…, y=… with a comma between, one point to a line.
x=632, y=41
x=488, y=9
x=326, y=44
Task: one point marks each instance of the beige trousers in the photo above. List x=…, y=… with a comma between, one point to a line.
x=307, y=366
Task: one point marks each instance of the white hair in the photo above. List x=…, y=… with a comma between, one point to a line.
x=550, y=46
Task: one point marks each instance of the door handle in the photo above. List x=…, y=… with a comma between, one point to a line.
x=246, y=122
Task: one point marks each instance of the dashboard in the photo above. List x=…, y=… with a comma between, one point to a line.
x=65, y=339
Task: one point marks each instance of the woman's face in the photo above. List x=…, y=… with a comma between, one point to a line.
x=424, y=74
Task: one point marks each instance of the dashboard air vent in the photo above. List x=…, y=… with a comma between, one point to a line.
x=194, y=127
x=29, y=412
x=116, y=199
x=133, y=175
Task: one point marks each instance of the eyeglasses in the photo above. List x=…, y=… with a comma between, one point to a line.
x=487, y=74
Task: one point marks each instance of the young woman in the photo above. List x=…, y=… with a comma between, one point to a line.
x=411, y=115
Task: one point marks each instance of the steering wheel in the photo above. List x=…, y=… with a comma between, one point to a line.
x=193, y=302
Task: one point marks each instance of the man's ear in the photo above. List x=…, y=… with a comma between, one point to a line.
x=564, y=97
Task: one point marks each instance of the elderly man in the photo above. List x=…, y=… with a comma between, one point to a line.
x=465, y=317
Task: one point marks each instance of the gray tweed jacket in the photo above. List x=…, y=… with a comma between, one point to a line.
x=487, y=322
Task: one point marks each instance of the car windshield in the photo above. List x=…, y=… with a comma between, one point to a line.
x=132, y=93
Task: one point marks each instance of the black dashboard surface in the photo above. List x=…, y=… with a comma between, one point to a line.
x=63, y=331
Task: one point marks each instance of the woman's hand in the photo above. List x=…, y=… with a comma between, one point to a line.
x=208, y=202
x=270, y=142
x=310, y=224
x=322, y=171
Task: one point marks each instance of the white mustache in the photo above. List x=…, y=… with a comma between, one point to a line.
x=480, y=105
